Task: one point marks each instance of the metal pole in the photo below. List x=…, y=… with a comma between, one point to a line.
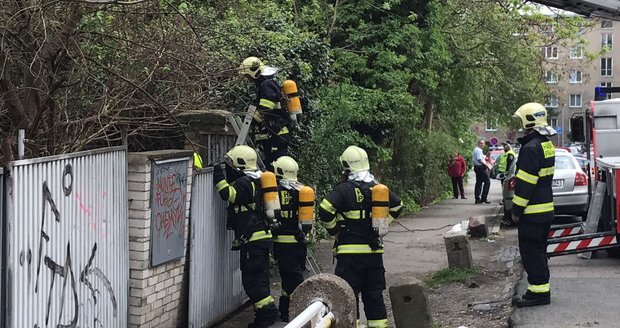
x=21, y=137
x=315, y=309
x=587, y=130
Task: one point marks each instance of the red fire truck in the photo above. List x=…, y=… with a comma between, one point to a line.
x=599, y=129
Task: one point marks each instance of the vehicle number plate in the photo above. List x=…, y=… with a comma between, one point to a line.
x=557, y=183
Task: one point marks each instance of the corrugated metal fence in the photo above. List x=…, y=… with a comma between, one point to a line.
x=67, y=263
x=215, y=274
x=2, y=267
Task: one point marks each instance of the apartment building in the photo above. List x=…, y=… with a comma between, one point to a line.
x=572, y=76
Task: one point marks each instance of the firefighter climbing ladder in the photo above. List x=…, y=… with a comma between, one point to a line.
x=577, y=238
x=242, y=129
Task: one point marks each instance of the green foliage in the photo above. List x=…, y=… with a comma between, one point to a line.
x=448, y=276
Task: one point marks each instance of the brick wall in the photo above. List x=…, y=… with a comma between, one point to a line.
x=157, y=295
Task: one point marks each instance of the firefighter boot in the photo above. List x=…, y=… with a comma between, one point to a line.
x=265, y=316
x=534, y=299
x=283, y=307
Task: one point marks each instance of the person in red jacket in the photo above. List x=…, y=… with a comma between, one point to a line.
x=456, y=171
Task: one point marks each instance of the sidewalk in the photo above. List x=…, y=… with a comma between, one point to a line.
x=422, y=252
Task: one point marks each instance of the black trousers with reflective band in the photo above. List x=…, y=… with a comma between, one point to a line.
x=366, y=275
x=274, y=147
x=255, y=271
x=533, y=249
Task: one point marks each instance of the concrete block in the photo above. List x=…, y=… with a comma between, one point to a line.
x=139, y=232
x=331, y=290
x=410, y=304
x=160, y=286
x=459, y=251
x=135, y=301
x=477, y=227
x=157, y=304
x=152, y=281
x=139, y=247
x=138, y=283
x=170, y=282
x=151, y=298
x=139, y=186
x=138, y=256
x=138, y=265
x=139, y=274
x=139, y=204
x=161, y=294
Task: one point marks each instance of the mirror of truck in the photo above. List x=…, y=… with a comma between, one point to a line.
x=576, y=129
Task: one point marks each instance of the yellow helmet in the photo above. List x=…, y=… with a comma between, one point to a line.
x=251, y=66
x=532, y=115
x=354, y=159
x=243, y=157
x=286, y=168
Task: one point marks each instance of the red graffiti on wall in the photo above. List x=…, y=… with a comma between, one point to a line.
x=169, y=200
x=96, y=217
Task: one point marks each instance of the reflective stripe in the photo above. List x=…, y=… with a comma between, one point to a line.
x=283, y=130
x=339, y=217
x=397, y=207
x=539, y=288
x=331, y=224
x=260, y=235
x=264, y=302
x=286, y=214
x=285, y=239
x=520, y=201
x=356, y=249
x=383, y=323
x=326, y=205
x=390, y=219
x=355, y=214
x=545, y=171
x=539, y=208
x=232, y=194
x=267, y=103
x=529, y=178
x=221, y=185
x=244, y=208
x=261, y=136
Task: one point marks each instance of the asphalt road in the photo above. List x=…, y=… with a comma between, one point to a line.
x=584, y=293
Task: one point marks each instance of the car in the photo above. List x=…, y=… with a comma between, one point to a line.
x=569, y=185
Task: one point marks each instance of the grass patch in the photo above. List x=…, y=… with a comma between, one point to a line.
x=446, y=276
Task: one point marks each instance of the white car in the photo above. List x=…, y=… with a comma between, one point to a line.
x=570, y=186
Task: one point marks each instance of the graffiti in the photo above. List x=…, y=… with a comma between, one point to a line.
x=168, y=196
x=97, y=223
x=68, y=309
x=169, y=201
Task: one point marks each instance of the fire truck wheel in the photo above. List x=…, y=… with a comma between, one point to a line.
x=614, y=252
x=333, y=291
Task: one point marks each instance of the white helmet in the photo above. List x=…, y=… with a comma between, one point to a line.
x=355, y=159
x=286, y=168
x=243, y=157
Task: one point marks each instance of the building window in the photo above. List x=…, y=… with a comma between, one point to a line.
x=606, y=23
x=607, y=40
x=575, y=77
x=550, y=77
x=608, y=85
x=606, y=66
x=490, y=126
x=550, y=52
x=576, y=52
x=552, y=102
x=553, y=122
x=575, y=101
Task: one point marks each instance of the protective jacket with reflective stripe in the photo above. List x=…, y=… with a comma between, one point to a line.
x=347, y=211
x=272, y=118
x=533, y=199
x=242, y=196
x=289, y=231
x=505, y=160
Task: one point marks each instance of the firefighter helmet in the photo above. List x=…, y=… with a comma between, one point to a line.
x=285, y=167
x=243, y=157
x=354, y=159
x=532, y=115
x=251, y=66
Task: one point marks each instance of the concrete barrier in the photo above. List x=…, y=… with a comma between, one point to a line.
x=410, y=304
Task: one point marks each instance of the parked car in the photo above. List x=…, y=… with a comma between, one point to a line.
x=570, y=186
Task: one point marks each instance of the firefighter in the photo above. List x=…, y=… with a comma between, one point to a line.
x=505, y=160
x=346, y=214
x=240, y=188
x=289, y=247
x=533, y=201
x=271, y=119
